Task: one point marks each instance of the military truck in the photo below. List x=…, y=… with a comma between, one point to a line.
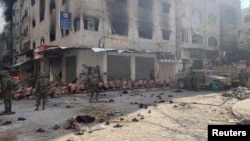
x=205, y=78
x=235, y=73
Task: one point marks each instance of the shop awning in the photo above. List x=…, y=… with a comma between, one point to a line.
x=18, y=64
x=101, y=49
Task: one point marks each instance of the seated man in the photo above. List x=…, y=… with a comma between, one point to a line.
x=65, y=90
x=124, y=85
x=19, y=94
x=55, y=92
x=151, y=84
x=72, y=87
x=129, y=84
x=134, y=84
x=118, y=84
x=29, y=93
x=167, y=84
x=105, y=86
x=111, y=85
x=140, y=84
x=83, y=87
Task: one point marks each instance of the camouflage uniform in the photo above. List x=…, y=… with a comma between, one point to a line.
x=41, y=90
x=94, y=88
x=6, y=93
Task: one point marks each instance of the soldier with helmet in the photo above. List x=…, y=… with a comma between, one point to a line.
x=94, y=84
x=42, y=87
x=6, y=91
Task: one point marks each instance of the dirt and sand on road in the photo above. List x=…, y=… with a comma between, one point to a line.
x=161, y=115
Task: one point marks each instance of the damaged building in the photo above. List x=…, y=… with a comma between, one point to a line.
x=245, y=29
x=205, y=31
x=126, y=39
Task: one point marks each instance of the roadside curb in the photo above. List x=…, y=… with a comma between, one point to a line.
x=240, y=112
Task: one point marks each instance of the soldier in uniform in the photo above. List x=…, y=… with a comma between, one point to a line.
x=6, y=93
x=42, y=87
x=188, y=83
x=94, y=85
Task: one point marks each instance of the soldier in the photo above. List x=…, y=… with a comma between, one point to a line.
x=188, y=83
x=6, y=90
x=94, y=82
x=42, y=87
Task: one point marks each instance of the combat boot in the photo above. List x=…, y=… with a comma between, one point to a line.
x=4, y=113
x=10, y=111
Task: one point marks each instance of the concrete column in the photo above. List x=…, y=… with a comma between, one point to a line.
x=105, y=65
x=132, y=66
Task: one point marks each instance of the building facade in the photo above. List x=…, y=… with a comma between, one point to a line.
x=132, y=38
x=126, y=39
x=230, y=18
x=204, y=30
x=245, y=29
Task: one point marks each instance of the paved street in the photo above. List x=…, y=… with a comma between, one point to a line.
x=168, y=116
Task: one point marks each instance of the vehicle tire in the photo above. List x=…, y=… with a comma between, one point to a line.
x=181, y=83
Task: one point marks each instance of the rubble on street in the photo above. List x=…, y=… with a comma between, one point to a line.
x=162, y=115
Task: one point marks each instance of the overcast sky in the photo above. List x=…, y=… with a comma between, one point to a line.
x=244, y=4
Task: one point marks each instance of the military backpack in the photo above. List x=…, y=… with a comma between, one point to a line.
x=12, y=84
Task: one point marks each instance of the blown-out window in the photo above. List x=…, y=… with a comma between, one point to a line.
x=64, y=32
x=91, y=24
x=166, y=34
x=197, y=39
x=77, y=24
x=119, y=28
x=166, y=7
x=212, y=41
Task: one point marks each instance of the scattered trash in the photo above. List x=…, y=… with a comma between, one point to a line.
x=107, y=123
x=40, y=130
x=170, y=95
x=161, y=101
x=79, y=133
x=84, y=128
x=56, y=127
x=6, y=123
x=149, y=111
x=21, y=119
x=84, y=119
x=71, y=139
x=118, y=125
x=178, y=90
x=135, y=120
x=125, y=92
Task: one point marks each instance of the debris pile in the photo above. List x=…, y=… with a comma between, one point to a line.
x=239, y=93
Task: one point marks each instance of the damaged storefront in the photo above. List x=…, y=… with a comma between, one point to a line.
x=24, y=67
x=68, y=63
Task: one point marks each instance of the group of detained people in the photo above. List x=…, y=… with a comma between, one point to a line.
x=93, y=86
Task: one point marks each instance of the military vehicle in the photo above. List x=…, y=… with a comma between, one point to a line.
x=205, y=78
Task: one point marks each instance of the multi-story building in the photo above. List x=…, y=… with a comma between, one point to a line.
x=198, y=36
x=126, y=39
x=230, y=13
x=203, y=30
x=245, y=29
